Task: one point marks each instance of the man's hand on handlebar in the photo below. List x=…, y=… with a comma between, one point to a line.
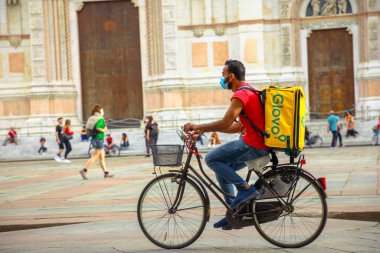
x=190, y=127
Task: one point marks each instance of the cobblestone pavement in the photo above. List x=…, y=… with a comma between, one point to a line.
x=44, y=193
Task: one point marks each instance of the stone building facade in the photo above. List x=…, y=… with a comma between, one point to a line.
x=178, y=47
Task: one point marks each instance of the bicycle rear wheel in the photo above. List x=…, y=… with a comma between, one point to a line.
x=304, y=218
x=166, y=229
x=114, y=151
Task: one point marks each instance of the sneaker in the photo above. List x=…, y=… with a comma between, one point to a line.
x=244, y=195
x=222, y=223
x=83, y=174
x=108, y=175
x=65, y=161
x=37, y=154
x=57, y=159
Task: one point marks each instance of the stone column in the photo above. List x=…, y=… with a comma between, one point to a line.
x=51, y=94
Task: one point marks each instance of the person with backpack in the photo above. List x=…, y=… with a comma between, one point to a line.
x=150, y=133
x=230, y=157
x=96, y=128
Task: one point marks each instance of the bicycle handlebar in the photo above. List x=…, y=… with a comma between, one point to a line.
x=189, y=139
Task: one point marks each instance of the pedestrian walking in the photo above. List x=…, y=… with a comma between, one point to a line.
x=66, y=137
x=59, y=139
x=333, y=126
x=151, y=132
x=97, y=124
x=42, y=150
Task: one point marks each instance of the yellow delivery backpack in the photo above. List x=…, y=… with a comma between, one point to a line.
x=285, y=112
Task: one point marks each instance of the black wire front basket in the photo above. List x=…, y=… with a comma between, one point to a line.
x=167, y=155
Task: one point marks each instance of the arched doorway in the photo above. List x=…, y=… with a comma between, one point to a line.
x=110, y=59
x=330, y=68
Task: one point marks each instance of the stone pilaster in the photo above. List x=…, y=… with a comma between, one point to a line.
x=169, y=35
x=37, y=40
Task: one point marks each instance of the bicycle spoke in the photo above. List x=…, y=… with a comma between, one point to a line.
x=303, y=218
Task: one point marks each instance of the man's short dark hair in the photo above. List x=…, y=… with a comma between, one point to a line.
x=59, y=118
x=237, y=68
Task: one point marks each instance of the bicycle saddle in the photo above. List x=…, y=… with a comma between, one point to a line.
x=258, y=163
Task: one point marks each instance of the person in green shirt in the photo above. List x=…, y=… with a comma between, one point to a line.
x=96, y=121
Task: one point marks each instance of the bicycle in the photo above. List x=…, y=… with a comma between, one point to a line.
x=314, y=140
x=173, y=208
x=110, y=152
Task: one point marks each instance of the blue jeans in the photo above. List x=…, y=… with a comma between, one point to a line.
x=228, y=158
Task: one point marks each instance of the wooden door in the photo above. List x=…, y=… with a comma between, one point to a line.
x=110, y=59
x=331, y=77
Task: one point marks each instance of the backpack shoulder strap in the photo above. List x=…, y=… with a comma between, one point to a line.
x=246, y=87
x=253, y=125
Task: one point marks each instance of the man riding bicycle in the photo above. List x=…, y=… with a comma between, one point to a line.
x=230, y=157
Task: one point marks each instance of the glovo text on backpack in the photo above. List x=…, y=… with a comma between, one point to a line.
x=285, y=112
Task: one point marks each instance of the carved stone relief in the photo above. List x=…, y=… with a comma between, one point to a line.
x=372, y=4
x=198, y=31
x=285, y=43
x=373, y=45
x=38, y=53
x=316, y=4
x=168, y=14
x=170, y=61
x=328, y=7
x=169, y=30
x=284, y=10
x=327, y=24
x=220, y=30
x=35, y=8
x=15, y=40
x=169, y=45
x=36, y=23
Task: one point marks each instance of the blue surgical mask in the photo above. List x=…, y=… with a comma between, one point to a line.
x=223, y=84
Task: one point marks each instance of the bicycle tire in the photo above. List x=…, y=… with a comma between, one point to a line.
x=375, y=140
x=89, y=151
x=114, y=151
x=300, y=216
x=169, y=195
x=319, y=142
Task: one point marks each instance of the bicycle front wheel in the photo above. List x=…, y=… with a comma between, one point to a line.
x=165, y=228
x=304, y=217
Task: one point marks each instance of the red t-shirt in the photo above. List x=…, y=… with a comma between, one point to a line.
x=253, y=108
x=12, y=134
x=68, y=132
x=109, y=140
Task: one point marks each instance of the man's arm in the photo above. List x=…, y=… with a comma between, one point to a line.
x=223, y=125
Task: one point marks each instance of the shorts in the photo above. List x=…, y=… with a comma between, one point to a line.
x=97, y=143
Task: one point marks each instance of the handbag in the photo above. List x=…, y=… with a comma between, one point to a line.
x=67, y=137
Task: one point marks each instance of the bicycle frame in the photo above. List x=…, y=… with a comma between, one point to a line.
x=205, y=180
